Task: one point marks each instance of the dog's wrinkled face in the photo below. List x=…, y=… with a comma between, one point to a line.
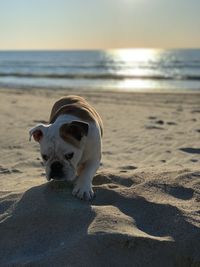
x=61, y=148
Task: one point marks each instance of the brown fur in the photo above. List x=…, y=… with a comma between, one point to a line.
x=67, y=137
x=77, y=106
x=81, y=168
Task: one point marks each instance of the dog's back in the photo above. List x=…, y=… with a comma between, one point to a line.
x=77, y=106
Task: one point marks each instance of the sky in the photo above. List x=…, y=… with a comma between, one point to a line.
x=99, y=24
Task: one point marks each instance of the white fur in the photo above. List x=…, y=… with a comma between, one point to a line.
x=87, y=158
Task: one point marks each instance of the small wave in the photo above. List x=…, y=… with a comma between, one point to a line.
x=104, y=76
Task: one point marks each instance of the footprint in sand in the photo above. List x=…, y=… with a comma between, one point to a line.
x=15, y=147
x=161, y=122
x=195, y=111
x=15, y=171
x=128, y=167
x=190, y=150
x=176, y=191
x=101, y=179
x=171, y=123
x=152, y=127
x=4, y=170
x=128, y=182
x=179, y=109
x=179, y=192
x=152, y=117
x=7, y=171
x=168, y=138
x=194, y=160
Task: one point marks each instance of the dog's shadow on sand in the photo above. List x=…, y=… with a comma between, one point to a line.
x=56, y=209
x=157, y=220
x=44, y=220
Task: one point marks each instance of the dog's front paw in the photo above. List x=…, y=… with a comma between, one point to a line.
x=83, y=191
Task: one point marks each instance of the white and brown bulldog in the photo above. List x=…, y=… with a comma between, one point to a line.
x=70, y=144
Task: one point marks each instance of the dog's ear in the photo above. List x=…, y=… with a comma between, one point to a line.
x=75, y=129
x=80, y=128
x=37, y=132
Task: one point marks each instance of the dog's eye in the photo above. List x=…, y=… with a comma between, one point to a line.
x=45, y=157
x=69, y=156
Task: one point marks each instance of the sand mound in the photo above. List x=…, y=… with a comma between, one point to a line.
x=145, y=219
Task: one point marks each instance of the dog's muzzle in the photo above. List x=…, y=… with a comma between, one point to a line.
x=56, y=172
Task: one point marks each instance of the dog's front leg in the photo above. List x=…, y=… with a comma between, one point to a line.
x=83, y=186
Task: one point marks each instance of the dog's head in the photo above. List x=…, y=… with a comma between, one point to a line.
x=61, y=148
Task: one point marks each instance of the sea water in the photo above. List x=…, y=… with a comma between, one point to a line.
x=124, y=70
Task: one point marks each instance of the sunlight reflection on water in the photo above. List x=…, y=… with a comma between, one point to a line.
x=133, y=62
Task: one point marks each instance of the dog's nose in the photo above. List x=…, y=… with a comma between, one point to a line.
x=56, y=170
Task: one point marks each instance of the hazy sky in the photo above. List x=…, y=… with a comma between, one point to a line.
x=86, y=24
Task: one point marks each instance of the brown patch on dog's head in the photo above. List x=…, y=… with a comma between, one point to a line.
x=74, y=132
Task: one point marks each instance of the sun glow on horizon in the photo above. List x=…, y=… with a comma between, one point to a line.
x=132, y=61
x=136, y=54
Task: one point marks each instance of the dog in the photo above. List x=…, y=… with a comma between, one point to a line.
x=70, y=144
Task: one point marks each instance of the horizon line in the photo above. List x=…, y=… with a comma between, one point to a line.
x=98, y=49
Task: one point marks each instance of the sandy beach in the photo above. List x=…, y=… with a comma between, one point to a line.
x=147, y=206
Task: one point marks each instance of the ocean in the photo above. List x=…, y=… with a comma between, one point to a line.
x=121, y=70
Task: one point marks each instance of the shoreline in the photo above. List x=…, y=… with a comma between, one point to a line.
x=179, y=91
x=102, y=89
